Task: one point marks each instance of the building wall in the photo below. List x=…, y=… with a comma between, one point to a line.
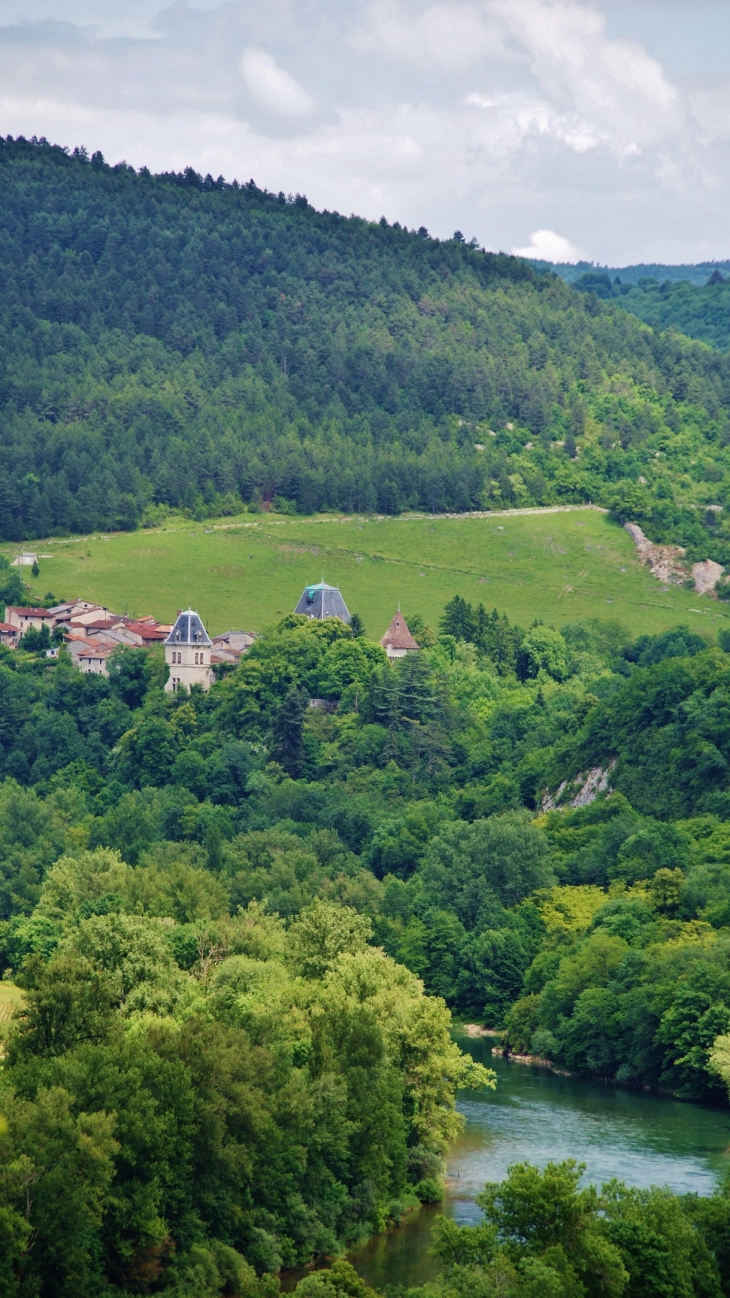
x=93, y=666
x=26, y=623
x=189, y=665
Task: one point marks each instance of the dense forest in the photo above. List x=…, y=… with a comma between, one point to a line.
x=238, y=924
x=700, y=311
x=174, y=341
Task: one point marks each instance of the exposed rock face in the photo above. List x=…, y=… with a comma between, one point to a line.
x=662, y=560
x=585, y=789
x=665, y=563
x=706, y=575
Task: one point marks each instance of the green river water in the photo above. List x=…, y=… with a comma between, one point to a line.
x=643, y=1139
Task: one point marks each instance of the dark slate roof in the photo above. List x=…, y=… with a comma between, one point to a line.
x=188, y=630
x=323, y=601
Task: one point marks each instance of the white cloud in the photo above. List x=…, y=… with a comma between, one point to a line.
x=446, y=37
x=517, y=117
x=614, y=87
x=546, y=245
x=274, y=88
x=492, y=116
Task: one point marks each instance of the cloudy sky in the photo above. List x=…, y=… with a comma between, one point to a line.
x=567, y=127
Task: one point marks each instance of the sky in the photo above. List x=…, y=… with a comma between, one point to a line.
x=567, y=129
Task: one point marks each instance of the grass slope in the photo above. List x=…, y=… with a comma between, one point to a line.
x=11, y=999
x=248, y=572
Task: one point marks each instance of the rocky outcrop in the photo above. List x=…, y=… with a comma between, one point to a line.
x=706, y=576
x=664, y=561
x=584, y=789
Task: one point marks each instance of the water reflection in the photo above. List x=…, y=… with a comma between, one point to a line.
x=640, y=1138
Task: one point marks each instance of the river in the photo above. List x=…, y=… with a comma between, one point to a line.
x=640, y=1138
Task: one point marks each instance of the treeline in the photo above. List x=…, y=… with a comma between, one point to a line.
x=176, y=342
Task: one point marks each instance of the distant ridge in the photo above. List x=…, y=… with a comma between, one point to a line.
x=695, y=300
x=697, y=273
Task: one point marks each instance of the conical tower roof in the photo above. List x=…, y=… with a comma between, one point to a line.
x=398, y=635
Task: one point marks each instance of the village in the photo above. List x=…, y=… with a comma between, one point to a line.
x=91, y=633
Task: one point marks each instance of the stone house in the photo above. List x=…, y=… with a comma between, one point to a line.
x=93, y=659
x=229, y=646
x=9, y=635
x=29, y=618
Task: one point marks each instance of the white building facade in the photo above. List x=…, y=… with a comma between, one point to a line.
x=187, y=654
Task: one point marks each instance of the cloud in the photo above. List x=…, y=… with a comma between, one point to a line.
x=590, y=90
x=546, y=245
x=273, y=88
x=515, y=118
x=614, y=87
x=491, y=116
x=445, y=37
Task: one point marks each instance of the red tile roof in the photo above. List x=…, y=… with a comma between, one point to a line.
x=146, y=630
x=29, y=612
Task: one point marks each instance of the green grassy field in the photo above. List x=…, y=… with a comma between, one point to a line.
x=11, y=998
x=249, y=571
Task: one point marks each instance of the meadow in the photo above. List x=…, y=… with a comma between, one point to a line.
x=247, y=572
x=11, y=999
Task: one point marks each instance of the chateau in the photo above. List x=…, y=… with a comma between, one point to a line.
x=187, y=653
x=90, y=634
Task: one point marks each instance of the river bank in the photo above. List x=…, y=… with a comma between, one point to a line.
x=475, y=1031
x=538, y=1114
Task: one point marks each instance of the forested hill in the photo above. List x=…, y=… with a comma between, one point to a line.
x=699, y=310
x=176, y=341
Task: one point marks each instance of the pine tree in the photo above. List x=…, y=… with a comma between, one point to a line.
x=288, y=748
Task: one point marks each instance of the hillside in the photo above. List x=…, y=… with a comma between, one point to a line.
x=699, y=310
x=172, y=341
x=250, y=571
x=230, y=923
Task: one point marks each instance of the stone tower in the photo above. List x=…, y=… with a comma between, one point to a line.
x=398, y=641
x=187, y=653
